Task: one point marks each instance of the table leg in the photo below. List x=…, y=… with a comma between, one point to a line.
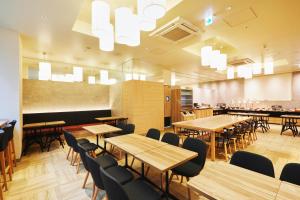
x=212, y=146
x=97, y=140
x=126, y=160
x=143, y=170
x=167, y=184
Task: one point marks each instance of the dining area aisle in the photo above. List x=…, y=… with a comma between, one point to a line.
x=49, y=175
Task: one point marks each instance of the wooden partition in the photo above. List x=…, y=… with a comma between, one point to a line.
x=141, y=101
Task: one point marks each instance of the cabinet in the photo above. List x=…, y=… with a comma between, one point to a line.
x=181, y=99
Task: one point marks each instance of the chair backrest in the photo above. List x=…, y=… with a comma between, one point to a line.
x=291, y=173
x=73, y=141
x=82, y=152
x=93, y=167
x=170, y=138
x=67, y=138
x=128, y=128
x=253, y=162
x=6, y=135
x=13, y=124
x=198, y=146
x=153, y=134
x=113, y=188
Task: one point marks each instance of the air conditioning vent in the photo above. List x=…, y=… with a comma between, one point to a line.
x=176, y=30
x=243, y=61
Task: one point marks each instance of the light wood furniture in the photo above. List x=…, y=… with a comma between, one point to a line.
x=211, y=124
x=203, y=112
x=141, y=101
x=167, y=101
x=114, y=119
x=101, y=129
x=182, y=99
x=249, y=114
x=225, y=181
x=288, y=191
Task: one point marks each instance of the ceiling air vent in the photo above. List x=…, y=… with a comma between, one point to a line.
x=176, y=30
x=238, y=62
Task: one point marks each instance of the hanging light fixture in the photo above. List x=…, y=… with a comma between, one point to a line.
x=134, y=31
x=107, y=41
x=145, y=23
x=214, y=59
x=269, y=68
x=77, y=74
x=256, y=68
x=248, y=72
x=222, y=62
x=230, y=73
x=44, y=71
x=153, y=9
x=206, y=53
x=241, y=71
x=100, y=17
x=123, y=16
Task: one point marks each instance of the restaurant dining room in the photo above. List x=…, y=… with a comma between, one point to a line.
x=149, y=99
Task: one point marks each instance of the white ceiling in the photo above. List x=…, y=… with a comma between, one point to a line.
x=46, y=26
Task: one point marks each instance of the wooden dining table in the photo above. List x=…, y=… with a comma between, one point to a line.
x=156, y=154
x=113, y=119
x=211, y=124
x=289, y=122
x=288, y=191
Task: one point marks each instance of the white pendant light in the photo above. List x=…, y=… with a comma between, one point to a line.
x=206, y=53
x=134, y=31
x=146, y=24
x=153, y=9
x=103, y=76
x=248, y=72
x=214, y=59
x=107, y=41
x=77, y=74
x=241, y=71
x=123, y=17
x=173, y=78
x=269, y=68
x=100, y=17
x=222, y=62
x=256, y=68
x=44, y=71
x=230, y=73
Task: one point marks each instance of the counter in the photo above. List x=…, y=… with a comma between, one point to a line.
x=203, y=112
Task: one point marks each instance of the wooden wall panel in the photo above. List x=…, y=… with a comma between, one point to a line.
x=175, y=105
x=167, y=103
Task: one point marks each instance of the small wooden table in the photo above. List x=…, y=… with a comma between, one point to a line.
x=101, y=130
x=109, y=119
x=289, y=122
x=212, y=124
x=225, y=181
x=288, y=191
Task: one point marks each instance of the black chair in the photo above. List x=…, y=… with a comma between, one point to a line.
x=105, y=161
x=11, y=142
x=126, y=129
x=253, y=162
x=135, y=190
x=69, y=143
x=193, y=167
x=291, y=173
x=119, y=173
x=153, y=134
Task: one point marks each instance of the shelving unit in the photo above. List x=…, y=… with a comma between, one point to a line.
x=182, y=99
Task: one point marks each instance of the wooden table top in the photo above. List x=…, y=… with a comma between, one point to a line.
x=101, y=129
x=250, y=114
x=34, y=125
x=288, y=191
x=291, y=116
x=3, y=122
x=134, y=144
x=214, y=123
x=227, y=182
x=55, y=123
x=110, y=118
x=166, y=157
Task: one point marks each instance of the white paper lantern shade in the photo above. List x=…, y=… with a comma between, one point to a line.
x=256, y=68
x=100, y=17
x=153, y=9
x=269, y=68
x=214, y=59
x=44, y=71
x=146, y=24
x=222, y=62
x=230, y=73
x=123, y=17
x=107, y=41
x=134, y=31
x=206, y=52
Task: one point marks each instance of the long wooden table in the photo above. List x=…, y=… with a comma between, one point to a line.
x=288, y=191
x=111, y=119
x=211, y=124
x=225, y=181
x=159, y=155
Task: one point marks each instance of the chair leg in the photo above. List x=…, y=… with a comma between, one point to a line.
x=10, y=159
x=85, y=180
x=225, y=152
x=2, y=159
x=181, y=179
x=72, y=156
x=1, y=193
x=75, y=159
x=78, y=164
x=96, y=193
x=171, y=177
x=12, y=145
x=69, y=153
x=9, y=163
x=132, y=161
x=188, y=189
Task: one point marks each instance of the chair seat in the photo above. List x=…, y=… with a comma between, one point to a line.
x=82, y=141
x=122, y=175
x=138, y=189
x=188, y=169
x=106, y=161
x=89, y=146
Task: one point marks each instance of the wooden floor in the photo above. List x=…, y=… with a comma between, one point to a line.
x=42, y=176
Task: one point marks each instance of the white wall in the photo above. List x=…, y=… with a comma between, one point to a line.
x=11, y=82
